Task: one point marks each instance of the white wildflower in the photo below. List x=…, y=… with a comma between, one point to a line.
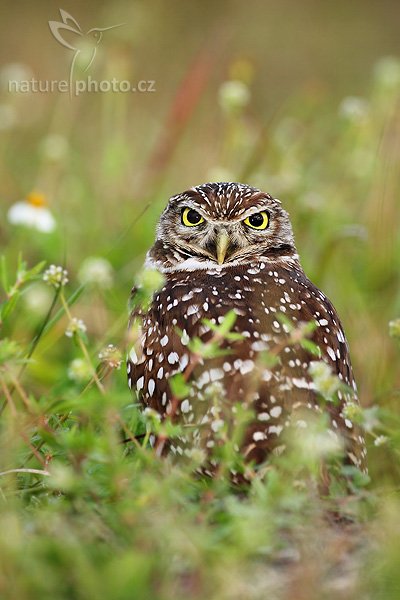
x=354, y=108
x=326, y=383
x=37, y=299
x=75, y=326
x=111, y=356
x=14, y=72
x=151, y=414
x=394, y=328
x=55, y=276
x=387, y=72
x=318, y=444
x=197, y=455
x=233, y=96
x=96, y=271
x=32, y=212
x=352, y=411
x=381, y=440
x=79, y=370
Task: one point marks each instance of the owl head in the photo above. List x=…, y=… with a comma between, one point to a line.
x=217, y=225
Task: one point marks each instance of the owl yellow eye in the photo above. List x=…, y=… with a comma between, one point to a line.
x=191, y=217
x=258, y=221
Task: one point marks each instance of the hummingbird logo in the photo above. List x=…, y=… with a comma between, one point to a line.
x=84, y=45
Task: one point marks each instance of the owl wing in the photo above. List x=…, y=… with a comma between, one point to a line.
x=330, y=337
x=135, y=361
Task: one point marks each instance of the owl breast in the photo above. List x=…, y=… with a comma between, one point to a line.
x=270, y=302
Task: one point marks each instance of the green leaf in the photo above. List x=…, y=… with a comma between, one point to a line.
x=282, y=318
x=224, y=327
x=207, y=349
x=3, y=273
x=8, y=306
x=228, y=322
x=234, y=337
x=178, y=385
x=311, y=347
x=309, y=327
x=9, y=349
x=32, y=273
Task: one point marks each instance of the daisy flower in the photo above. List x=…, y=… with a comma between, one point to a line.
x=32, y=212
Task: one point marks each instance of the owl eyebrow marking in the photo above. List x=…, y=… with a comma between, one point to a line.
x=202, y=194
x=190, y=203
x=253, y=210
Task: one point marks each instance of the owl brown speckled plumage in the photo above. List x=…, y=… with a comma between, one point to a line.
x=224, y=246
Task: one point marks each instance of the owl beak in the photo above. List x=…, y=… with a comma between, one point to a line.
x=222, y=246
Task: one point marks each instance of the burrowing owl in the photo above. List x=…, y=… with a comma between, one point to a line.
x=223, y=247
